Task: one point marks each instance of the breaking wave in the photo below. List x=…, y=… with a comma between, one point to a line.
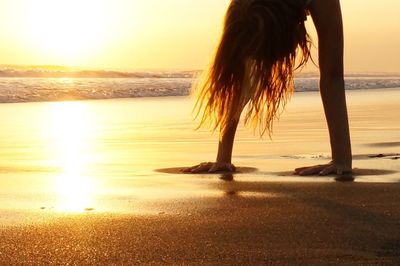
x=18, y=85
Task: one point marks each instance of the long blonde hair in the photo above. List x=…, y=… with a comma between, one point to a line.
x=254, y=63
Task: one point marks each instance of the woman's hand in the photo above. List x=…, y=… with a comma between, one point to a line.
x=324, y=169
x=209, y=167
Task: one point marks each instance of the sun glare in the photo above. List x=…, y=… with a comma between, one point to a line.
x=70, y=131
x=67, y=30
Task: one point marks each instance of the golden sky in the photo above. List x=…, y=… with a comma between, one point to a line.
x=166, y=34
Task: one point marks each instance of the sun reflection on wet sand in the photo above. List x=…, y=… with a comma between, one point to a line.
x=72, y=157
x=70, y=129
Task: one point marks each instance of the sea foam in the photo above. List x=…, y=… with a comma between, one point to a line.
x=63, y=85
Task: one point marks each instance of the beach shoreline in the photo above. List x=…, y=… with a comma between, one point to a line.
x=79, y=184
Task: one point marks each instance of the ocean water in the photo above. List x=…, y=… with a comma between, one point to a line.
x=109, y=85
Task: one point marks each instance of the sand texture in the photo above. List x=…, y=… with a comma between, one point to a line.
x=100, y=183
x=249, y=223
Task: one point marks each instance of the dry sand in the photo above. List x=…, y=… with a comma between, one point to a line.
x=78, y=185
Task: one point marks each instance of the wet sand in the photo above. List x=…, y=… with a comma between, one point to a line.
x=249, y=223
x=79, y=184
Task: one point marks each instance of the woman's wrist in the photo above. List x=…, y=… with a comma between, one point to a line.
x=225, y=146
x=224, y=157
x=346, y=160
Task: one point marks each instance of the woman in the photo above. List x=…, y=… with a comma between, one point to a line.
x=253, y=69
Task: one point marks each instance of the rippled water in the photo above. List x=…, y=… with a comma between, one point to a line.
x=18, y=89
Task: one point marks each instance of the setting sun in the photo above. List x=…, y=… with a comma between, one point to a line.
x=159, y=34
x=119, y=146
x=68, y=30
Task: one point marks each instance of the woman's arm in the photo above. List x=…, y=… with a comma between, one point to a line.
x=224, y=156
x=226, y=139
x=327, y=18
x=225, y=145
